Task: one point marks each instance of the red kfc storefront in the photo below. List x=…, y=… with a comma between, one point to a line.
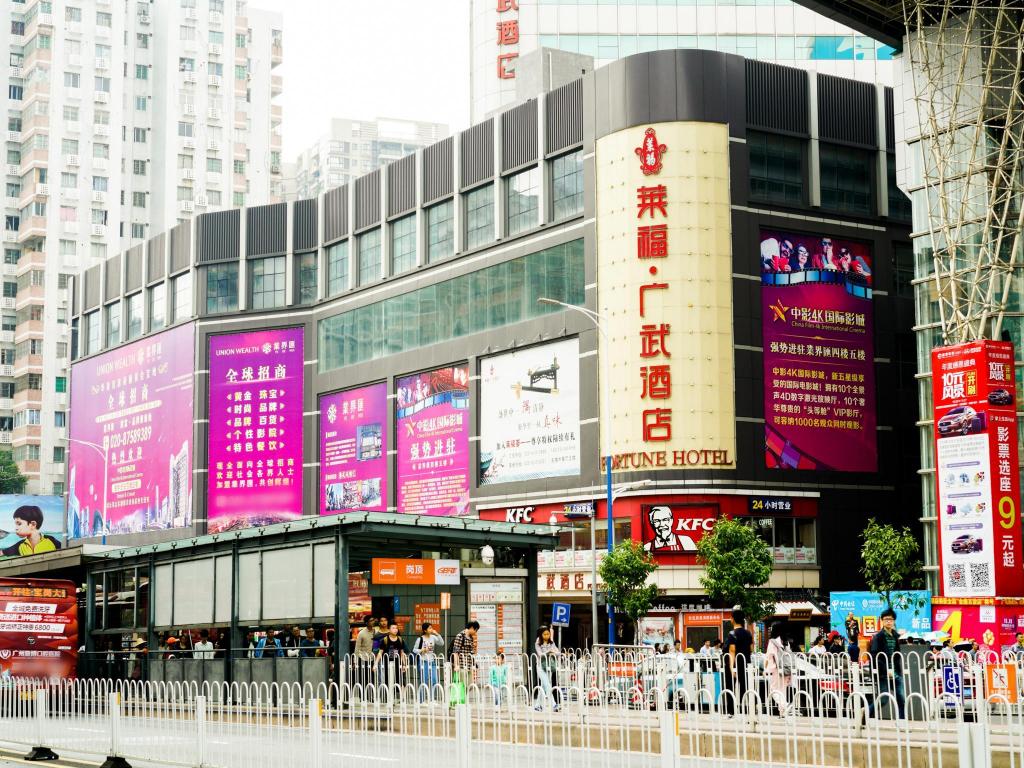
x=670, y=527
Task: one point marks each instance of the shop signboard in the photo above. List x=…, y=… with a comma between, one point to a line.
x=530, y=413
x=671, y=532
x=432, y=426
x=38, y=628
x=255, y=429
x=819, y=375
x=664, y=253
x=913, y=611
x=354, y=450
x=30, y=524
x=978, y=485
x=413, y=571
x=130, y=445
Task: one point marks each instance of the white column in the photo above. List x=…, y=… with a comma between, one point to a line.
x=385, y=240
x=882, y=175
x=813, y=156
x=421, y=219
x=499, y=183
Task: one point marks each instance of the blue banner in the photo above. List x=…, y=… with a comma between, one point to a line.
x=913, y=612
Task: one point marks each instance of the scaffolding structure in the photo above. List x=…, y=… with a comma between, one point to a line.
x=966, y=62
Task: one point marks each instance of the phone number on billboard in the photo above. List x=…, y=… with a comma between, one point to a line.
x=131, y=437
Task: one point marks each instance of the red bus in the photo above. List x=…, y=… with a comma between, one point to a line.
x=38, y=628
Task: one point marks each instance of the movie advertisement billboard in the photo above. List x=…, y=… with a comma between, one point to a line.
x=255, y=434
x=130, y=453
x=30, y=525
x=38, y=628
x=819, y=376
x=354, y=450
x=530, y=413
x=432, y=423
x=978, y=486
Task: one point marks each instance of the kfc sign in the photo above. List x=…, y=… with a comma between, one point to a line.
x=411, y=571
x=671, y=532
x=519, y=515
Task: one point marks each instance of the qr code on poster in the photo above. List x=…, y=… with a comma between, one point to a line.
x=956, y=575
x=981, y=576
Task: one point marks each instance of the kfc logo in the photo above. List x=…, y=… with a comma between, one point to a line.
x=519, y=515
x=676, y=530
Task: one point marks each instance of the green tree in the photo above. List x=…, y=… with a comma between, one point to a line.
x=891, y=565
x=624, y=572
x=736, y=562
x=11, y=479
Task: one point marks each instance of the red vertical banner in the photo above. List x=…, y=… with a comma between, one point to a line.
x=977, y=480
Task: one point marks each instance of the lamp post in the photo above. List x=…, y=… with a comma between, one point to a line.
x=103, y=451
x=597, y=320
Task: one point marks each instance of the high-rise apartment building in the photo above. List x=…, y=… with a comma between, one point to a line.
x=122, y=119
x=352, y=148
x=771, y=30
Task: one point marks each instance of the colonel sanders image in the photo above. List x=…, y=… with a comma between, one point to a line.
x=661, y=520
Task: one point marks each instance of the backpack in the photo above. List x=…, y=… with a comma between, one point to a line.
x=785, y=662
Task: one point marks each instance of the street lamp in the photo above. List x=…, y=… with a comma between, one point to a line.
x=598, y=320
x=103, y=451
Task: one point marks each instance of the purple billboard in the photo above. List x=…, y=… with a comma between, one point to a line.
x=130, y=462
x=353, y=450
x=432, y=422
x=819, y=376
x=255, y=437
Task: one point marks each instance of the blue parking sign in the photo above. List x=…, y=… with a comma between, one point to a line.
x=560, y=615
x=952, y=685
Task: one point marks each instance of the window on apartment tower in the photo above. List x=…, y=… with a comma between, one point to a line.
x=113, y=323
x=61, y=383
x=13, y=189
x=7, y=390
x=10, y=290
x=15, y=92
x=101, y=151
x=99, y=216
x=139, y=167
x=567, y=185
x=102, y=84
x=305, y=268
x=141, y=41
x=72, y=14
x=138, y=231
x=11, y=256
x=238, y=199
x=141, y=72
x=104, y=19
x=17, y=27
x=221, y=288
x=216, y=36
x=72, y=80
x=239, y=41
x=776, y=167
x=157, y=307
x=403, y=244
x=479, y=216
x=217, y=6
x=133, y=304
x=139, y=135
x=522, y=206
x=267, y=282
x=69, y=146
x=62, y=350
x=60, y=418
x=214, y=164
x=138, y=199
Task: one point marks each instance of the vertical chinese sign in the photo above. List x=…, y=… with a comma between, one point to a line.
x=353, y=450
x=978, y=496
x=819, y=372
x=131, y=437
x=255, y=429
x=665, y=263
x=433, y=442
x=507, y=38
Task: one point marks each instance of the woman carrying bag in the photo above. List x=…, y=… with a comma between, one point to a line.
x=779, y=665
x=547, y=667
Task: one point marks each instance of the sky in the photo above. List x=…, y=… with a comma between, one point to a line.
x=370, y=58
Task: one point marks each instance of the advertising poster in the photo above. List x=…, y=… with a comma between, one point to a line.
x=433, y=442
x=38, y=628
x=130, y=445
x=255, y=437
x=819, y=376
x=30, y=525
x=658, y=630
x=670, y=532
x=867, y=606
x=530, y=413
x=354, y=450
x=978, y=486
x=993, y=626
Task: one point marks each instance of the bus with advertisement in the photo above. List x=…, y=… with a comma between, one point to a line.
x=38, y=628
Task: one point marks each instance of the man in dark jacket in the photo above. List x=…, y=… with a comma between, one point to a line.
x=888, y=664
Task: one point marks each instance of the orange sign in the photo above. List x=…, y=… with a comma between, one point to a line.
x=411, y=571
x=1001, y=683
x=426, y=612
x=446, y=601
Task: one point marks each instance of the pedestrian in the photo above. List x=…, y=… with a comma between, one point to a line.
x=364, y=654
x=427, y=648
x=546, y=655
x=779, y=665
x=716, y=647
x=1017, y=649
x=391, y=654
x=705, y=650
x=310, y=646
x=852, y=628
x=853, y=650
x=817, y=650
x=739, y=645
x=834, y=643
x=204, y=648
x=498, y=678
x=136, y=659
x=379, y=632
x=292, y=642
x=888, y=663
x=464, y=659
x=173, y=648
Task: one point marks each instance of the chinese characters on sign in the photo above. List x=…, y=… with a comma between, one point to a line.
x=530, y=413
x=255, y=432
x=38, y=628
x=978, y=496
x=353, y=450
x=507, y=30
x=432, y=424
x=671, y=532
x=131, y=437
x=818, y=353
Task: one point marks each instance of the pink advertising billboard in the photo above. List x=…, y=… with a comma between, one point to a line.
x=354, y=450
x=255, y=431
x=130, y=454
x=432, y=423
x=819, y=376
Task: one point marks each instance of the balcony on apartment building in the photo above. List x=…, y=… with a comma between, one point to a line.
x=31, y=193
x=275, y=115
x=276, y=53
x=276, y=85
x=32, y=227
x=28, y=397
x=36, y=56
x=26, y=433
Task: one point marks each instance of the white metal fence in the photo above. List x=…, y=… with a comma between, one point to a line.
x=620, y=710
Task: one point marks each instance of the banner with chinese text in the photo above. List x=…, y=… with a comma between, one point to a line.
x=353, y=450
x=255, y=429
x=819, y=375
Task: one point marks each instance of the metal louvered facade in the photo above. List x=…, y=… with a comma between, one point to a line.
x=305, y=234
x=336, y=214
x=217, y=236
x=266, y=229
x=476, y=154
x=563, y=117
x=401, y=186
x=156, y=257
x=367, y=208
x=777, y=98
x=847, y=112
x=519, y=136
x=438, y=170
